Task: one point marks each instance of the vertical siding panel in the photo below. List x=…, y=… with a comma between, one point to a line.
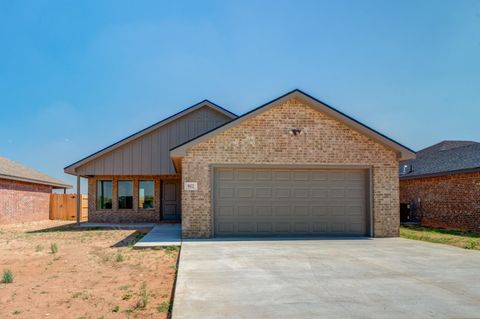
x=146, y=154
x=118, y=162
x=136, y=157
x=127, y=159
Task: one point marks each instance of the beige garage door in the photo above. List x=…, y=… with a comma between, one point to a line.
x=285, y=202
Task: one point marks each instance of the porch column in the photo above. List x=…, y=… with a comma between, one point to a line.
x=79, y=200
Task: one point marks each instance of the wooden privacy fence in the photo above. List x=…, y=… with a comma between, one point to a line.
x=64, y=207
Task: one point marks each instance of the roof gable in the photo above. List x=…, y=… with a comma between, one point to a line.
x=403, y=152
x=72, y=169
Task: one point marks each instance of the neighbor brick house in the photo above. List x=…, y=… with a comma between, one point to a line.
x=442, y=185
x=24, y=193
x=293, y=166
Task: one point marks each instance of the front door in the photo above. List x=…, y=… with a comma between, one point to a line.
x=171, y=204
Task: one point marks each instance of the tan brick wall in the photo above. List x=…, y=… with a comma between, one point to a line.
x=451, y=201
x=116, y=215
x=23, y=202
x=264, y=139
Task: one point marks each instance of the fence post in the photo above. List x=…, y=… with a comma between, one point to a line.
x=79, y=200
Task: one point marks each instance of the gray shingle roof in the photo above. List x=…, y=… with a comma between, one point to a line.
x=16, y=171
x=443, y=158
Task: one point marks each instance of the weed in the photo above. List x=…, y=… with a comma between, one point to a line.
x=471, y=244
x=7, y=277
x=164, y=307
x=116, y=309
x=53, y=248
x=38, y=248
x=76, y=294
x=127, y=296
x=119, y=257
x=143, y=301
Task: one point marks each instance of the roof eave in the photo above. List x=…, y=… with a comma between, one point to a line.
x=444, y=173
x=35, y=181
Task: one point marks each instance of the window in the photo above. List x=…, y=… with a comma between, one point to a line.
x=125, y=194
x=104, y=194
x=146, y=191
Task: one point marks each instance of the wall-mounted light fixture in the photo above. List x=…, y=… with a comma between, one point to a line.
x=294, y=131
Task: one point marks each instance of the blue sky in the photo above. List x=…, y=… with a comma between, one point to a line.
x=76, y=76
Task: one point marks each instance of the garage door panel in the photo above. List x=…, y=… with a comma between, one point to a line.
x=226, y=192
x=301, y=192
x=289, y=202
x=319, y=192
x=263, y=211
x=245, y=175
x=283, y=227
x=263, y=192
x=281, y=211
x=282, y=193
x=225, y=174
x=245, y=211
x=263, y=175
x=265, y=227
x=281, y=175
x=246, y=227
x=301, y=227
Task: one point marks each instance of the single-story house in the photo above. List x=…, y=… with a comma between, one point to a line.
x=293, y=166
x=442, y=185
x=25, y=193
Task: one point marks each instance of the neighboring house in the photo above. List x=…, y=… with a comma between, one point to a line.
x=293, y=166
x=443, y=185
x=25, y=193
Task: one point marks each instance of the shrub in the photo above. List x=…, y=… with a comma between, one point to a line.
x=38, y=248
x=119, y=257
x=53, y=248
x=164, y=307
x=7, y=277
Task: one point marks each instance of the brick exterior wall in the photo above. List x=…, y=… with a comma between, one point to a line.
x=23, y=202
x=451, y=201
x=116, y=215
x=264, y=139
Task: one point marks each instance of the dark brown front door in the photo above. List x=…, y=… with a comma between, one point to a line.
x=171, y=204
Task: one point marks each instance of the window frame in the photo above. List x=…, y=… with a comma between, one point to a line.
x=118, y=194
x=138, y=193
x=97, y=193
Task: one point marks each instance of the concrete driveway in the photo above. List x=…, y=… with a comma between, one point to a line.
x=362, y=278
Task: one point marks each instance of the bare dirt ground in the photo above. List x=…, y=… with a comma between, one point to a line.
x=94, y=274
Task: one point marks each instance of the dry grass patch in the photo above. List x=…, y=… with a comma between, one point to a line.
x=59, y=271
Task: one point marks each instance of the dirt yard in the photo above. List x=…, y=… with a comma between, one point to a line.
x=93, y=274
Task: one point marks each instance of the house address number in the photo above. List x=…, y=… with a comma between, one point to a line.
x=190, y=186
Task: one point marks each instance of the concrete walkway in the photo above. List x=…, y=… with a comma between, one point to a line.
x=326, y=278
x=161, y=235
